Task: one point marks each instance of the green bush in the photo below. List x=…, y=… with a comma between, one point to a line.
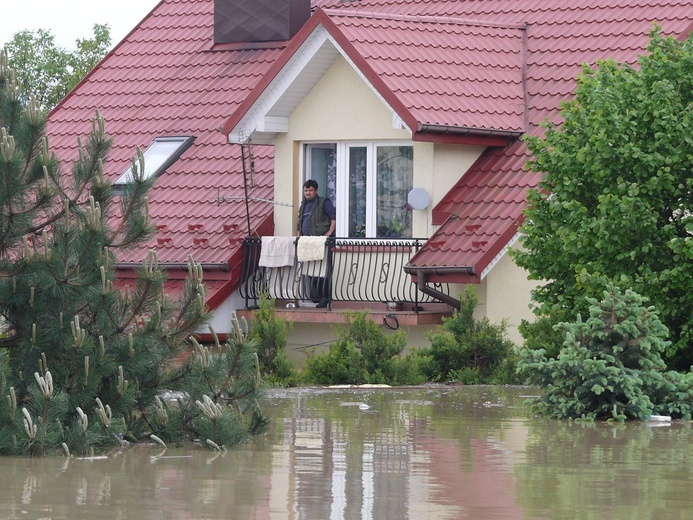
x=84, y=363
x=364, y=354
x=542, y=333
x=470, y=351
x=610, y=366
x=270, y=333
x=616, y=191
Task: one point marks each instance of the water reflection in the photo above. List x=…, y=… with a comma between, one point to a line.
x=426, y=453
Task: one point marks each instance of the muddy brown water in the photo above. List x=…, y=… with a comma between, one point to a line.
x=412, y=453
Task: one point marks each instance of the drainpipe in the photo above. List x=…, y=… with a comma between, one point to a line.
x=430, y=291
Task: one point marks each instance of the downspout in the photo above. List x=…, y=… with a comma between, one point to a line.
x=525, y=92
x=422, y=286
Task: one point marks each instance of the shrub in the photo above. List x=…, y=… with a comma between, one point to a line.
x=270, y=333
x=85, y=363
x=610, y=366
x=363, y=354
x=542, y=333
x=470, y=351
x=616, y=191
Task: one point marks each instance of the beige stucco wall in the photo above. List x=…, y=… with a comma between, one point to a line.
x=504, y=294
x=315, y=337
x=450, y=162
x=342, y=107
x=508, y=291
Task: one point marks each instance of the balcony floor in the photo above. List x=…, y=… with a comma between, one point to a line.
x=430, y=313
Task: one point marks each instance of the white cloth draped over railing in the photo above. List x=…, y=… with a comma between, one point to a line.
x=277, y=251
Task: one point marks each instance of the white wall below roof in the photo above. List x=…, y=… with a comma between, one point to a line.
x=221, y=317
x=451, y=161
x=286, y=187
x=504, y=294
x=342, y=107
x=508, y=296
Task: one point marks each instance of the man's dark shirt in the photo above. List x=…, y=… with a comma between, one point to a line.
x=328, y=208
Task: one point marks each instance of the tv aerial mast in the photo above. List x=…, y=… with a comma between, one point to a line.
x=248, y=170
x=248, y=162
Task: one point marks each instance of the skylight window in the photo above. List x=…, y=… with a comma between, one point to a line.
x=161, y=154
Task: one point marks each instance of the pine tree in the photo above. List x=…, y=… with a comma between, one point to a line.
x=85, y=364
x=610, y=365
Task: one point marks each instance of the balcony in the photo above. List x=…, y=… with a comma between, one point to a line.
x=355, y=274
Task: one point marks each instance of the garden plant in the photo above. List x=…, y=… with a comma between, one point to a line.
x=616, y=196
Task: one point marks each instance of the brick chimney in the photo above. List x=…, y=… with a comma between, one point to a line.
x=258, y=20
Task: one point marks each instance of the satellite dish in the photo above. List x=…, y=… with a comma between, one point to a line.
x=418, y=198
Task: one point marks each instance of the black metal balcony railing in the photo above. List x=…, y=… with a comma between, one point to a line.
x=353, y=269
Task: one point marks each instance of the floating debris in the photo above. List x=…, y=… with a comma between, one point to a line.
x=659, y=418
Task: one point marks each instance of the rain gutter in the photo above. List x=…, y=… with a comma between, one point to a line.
x=175, y=266
x=465, y=130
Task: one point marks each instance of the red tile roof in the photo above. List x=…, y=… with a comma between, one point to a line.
x=446, y=63
x=439, y=74
x=480, y=215
x=446, y=71
x=166, y=78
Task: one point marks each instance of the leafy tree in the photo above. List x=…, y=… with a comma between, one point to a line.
x=610, y=366
x=83, y=363
x=49, y=71
x=615, y=202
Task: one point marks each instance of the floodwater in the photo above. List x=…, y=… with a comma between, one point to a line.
x=430, y=453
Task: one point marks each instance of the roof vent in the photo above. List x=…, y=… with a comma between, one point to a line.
x=238, y=21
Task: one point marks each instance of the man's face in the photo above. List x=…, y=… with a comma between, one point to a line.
x=310, y=193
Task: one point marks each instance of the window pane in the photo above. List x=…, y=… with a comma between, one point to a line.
x=357, y=191
x=159, y=155
x=323, y=168
x=395, y=179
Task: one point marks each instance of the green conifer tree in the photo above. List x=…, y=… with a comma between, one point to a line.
x=84, y=364
x=610, y=365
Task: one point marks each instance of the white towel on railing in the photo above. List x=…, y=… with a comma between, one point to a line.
x=310, y=248
x=277, y=252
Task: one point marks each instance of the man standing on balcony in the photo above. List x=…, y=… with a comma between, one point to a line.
x=317, y=217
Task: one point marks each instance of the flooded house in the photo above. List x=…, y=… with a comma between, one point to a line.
x=409, y=113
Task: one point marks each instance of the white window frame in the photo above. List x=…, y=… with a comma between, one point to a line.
x=342, y=180
x=157, y=163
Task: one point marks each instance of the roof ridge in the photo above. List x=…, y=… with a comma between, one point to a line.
x=424, y=18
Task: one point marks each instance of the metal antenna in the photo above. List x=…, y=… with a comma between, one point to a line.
x=244, y=142
x=248, y=161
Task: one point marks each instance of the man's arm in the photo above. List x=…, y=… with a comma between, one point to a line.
x=333, y=224
x=331, y=212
